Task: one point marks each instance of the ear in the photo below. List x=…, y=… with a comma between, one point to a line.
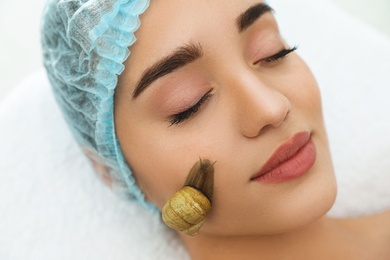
x=100, y=169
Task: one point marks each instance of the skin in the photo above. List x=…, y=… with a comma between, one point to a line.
x=254, y=107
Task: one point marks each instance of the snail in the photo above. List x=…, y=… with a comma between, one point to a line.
x=186, y=210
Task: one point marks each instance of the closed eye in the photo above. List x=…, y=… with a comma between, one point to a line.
x=278, y=56
x=182, y=116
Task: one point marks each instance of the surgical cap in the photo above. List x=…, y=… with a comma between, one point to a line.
x=85, y=43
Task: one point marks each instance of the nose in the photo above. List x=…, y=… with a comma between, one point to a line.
x=259, y=106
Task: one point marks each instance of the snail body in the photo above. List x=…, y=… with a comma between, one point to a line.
x=186, y=210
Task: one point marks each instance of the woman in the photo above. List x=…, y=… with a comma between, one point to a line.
x=215, y=80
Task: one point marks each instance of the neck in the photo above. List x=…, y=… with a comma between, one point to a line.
x=324, y=235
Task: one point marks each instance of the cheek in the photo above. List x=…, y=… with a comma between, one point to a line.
x=158, y=173
x=142, y=151
x=161, y=162
x=303, y=91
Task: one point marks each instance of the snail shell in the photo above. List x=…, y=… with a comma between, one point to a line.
x=186, y=210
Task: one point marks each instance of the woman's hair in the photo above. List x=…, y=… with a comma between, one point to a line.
x=85, y=43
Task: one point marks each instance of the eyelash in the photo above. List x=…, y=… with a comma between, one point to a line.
x=182, y=116
x=280, y=55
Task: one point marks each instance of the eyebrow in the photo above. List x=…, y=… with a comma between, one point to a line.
x=191, y=52
x=179, y=58
x=251, y=15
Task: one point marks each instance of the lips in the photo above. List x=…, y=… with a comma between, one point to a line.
x=291, y=160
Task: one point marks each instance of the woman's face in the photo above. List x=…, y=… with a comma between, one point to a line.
x=216, y=80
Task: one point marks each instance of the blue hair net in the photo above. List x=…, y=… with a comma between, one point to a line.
x=85, y=43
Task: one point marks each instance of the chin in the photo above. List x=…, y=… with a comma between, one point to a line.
x=311, y=200
x=297, y=207
x=300, y=212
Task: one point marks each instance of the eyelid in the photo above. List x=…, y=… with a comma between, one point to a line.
x=184, y=115
x=279, y=55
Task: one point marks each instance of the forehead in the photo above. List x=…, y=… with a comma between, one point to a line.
x=171, y=23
